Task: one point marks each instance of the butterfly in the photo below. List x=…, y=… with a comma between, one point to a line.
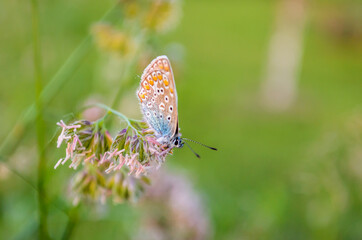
x=158, y=98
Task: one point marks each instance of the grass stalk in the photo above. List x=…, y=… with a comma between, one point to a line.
x=40, y=128
x=73, y=219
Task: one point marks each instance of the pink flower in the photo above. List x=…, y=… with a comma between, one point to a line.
x=112, y=167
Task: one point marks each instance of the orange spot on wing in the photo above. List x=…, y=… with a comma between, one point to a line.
x=140, y=96
x=166, y=67
x=160, y=64
x=171, y=89
x=145, y=85
x=149, y=79
x=165, y=82
x=159, y=75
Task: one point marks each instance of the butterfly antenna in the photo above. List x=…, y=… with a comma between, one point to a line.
x=197, y=155
x=212, y=148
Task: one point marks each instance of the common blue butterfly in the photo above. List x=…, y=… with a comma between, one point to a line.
x=158, y=97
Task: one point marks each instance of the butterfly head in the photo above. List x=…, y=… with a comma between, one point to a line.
x=178, y=142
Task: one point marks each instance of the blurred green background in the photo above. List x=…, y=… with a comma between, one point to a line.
x=291, y=173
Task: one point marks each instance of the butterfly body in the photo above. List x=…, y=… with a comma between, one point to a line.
x=158, y=99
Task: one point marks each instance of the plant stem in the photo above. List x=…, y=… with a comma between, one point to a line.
x=73, y=219
x=110, y=110
x=42, y=211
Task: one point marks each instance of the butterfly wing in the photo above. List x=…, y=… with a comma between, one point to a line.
x=158, y=98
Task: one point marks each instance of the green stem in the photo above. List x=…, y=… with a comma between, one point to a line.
x=73, y=219
x=117, y=114
x=42, y=211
